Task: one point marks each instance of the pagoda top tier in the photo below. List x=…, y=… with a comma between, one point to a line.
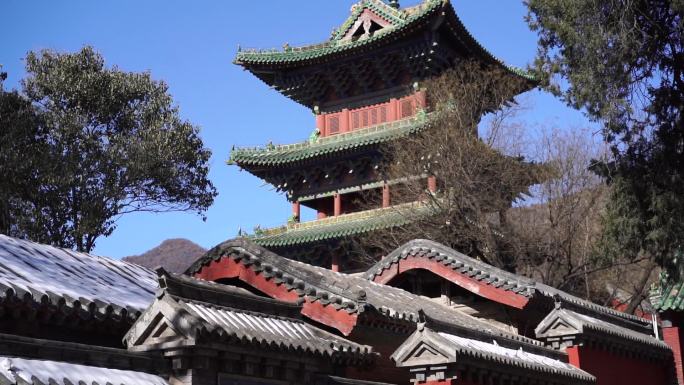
x=378, y=50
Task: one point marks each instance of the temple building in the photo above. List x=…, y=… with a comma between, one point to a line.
x=283, y=307
x=365, y=86
x=244, y=315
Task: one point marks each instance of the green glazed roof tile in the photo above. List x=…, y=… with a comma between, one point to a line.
x=670, y=296
x=339, y=227
x=401, y=21
x=297, y=54
x=273, y=155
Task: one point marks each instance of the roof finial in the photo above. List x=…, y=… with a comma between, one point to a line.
x=394, y=4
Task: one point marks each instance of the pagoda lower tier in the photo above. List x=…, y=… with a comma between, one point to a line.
x=331, y=242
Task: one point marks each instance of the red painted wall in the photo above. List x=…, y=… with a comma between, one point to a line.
x=673, y=338
x=354, y=119
x=325, y=314
x=613, y=369
x=474, y=286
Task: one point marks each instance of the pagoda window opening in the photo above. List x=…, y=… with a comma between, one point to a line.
x=407, y=108
x=333, y=124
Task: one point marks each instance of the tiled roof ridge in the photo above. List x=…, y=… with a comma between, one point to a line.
x=603, y=313
x=588, y=324
x=570, y=371
x=341, y=300
x=492, y=275
x=335, y=346
x=516, y=283
x=280, y=154
x=251, y=254
x=194, y=289
x=504, y=337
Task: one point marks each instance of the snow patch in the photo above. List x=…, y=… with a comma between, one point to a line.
x=40, y=268
x=20, y=371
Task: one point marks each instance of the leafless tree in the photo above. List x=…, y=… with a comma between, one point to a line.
x=476, y=182
x=538, y=215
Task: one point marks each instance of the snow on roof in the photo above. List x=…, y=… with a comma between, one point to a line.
x=23, y=371
x=46, y=270
x=518, y=355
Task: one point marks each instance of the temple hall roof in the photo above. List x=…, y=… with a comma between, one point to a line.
x=449, y=348
x=500, y=279
x=208, y=314
x=562, y=324
x=351, y=294
x=46, y=275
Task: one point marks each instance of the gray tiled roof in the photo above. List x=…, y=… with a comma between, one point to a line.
x=498, y=278
x=22, y=371
x=451, y=348
x=349, y=293
x=563, y=322
x=49, y=275
x=224, y=313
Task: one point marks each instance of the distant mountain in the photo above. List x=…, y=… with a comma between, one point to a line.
x=175, y=255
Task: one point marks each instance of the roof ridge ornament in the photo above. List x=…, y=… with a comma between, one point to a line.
x=394, y=4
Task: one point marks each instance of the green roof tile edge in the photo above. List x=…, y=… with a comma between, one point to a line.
x=281, y=154
x=294, y=54
x=330, y=228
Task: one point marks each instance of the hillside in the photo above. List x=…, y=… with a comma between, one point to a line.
x=175, y=255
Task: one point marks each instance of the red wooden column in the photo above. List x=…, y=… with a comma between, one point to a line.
x=320, y=124
x=385, y=195
x=432, y=183
x=392, y=114
x=344, y=121
x=337, y=208
x=296, y=211
x=335, y=263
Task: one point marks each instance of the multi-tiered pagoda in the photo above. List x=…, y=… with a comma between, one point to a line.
x=365, y=87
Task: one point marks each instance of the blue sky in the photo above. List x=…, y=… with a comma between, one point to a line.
x=190, y=45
